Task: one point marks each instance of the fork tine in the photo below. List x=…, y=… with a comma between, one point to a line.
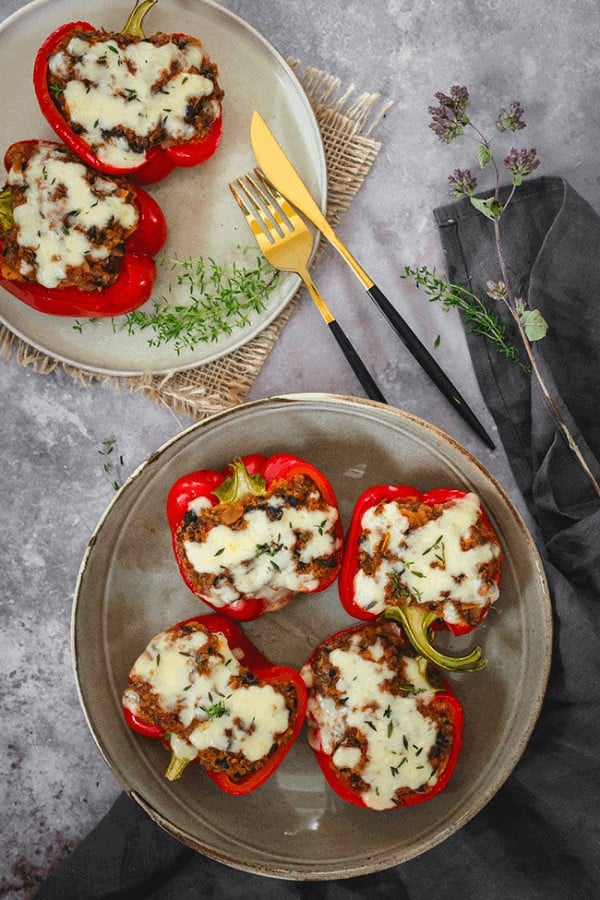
x=284, y=204
x=274, y=211
x=256, y=207
x=262, y=238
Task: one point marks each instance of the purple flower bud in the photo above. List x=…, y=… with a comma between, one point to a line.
x=497, y=290
x=463, y=183
x=510, y=119
x=521, y=163
x=449, y=118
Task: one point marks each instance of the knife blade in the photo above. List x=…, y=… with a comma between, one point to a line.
x=280, y=171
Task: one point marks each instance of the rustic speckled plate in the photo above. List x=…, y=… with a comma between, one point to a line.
x=129, y=589
x=203, y=218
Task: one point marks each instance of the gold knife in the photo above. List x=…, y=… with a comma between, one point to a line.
x=280, y=171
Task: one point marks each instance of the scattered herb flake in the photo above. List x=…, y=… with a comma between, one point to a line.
x=108, y=445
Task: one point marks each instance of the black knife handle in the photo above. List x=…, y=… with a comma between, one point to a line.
x=428, y=363
x=358, y=366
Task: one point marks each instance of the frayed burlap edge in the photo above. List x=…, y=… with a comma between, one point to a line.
x=346, y=124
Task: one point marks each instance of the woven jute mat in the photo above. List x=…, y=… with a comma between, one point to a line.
x=346, y=124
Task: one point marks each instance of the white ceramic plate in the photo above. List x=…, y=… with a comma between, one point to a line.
x=203, y=218
x=129, y=589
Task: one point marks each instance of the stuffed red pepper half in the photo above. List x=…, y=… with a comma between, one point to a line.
x=210, y=695
x=384, y=726
x=129, y=104
x=422, y=559
x=74, y=242
x=249, y=538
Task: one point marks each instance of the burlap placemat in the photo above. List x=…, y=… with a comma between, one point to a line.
x=346, y=124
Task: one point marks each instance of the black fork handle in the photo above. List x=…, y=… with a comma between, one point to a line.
x=358, y=366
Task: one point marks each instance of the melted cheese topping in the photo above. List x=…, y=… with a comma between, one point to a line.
x=430, y=561
x=245, y=720
x=399, y=737
x=60, y=207
x=259, y=559
x=114, y=87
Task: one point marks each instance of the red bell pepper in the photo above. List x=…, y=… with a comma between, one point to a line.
x=252, y=478
x=158, y=161
x=137, y=271
x=255, y=669
x=417, y=610
x=372, y=750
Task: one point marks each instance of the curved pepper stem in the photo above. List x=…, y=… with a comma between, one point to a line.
x=416, y=623
x=239, y=484
x=134, y=23
x=6, y=210
x=177, y=766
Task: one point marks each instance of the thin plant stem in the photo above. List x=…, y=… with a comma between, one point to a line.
x=511, y=304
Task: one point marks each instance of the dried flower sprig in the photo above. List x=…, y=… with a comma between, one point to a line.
x=511, y=118
x=449, y=120
x=450, y=117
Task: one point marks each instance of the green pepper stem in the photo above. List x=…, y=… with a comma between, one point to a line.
x=239, y=484
x=177, y=766
x=134, y=23
x=6, y=210
x=416, y=622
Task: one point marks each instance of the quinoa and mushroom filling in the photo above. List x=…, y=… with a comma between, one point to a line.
x=269, y=546
x=70, y=224
x=213, y=709
x=124, y=94
x=443, y=557
x=370, y=702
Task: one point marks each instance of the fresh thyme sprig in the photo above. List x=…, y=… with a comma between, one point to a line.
x=480, y=319
x=204, y=302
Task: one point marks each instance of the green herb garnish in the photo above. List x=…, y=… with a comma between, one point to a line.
x=218, y=302
x=268, y=549
x=216, y=710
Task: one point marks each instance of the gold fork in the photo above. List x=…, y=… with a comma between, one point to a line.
x=286, y=243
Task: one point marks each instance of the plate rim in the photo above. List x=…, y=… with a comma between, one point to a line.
x=374, y=863
x=294, y=282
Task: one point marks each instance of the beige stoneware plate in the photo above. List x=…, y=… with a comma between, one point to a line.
x=129, y=589
x=203, y=218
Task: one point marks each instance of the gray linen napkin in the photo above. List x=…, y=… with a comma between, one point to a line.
x=540, y=835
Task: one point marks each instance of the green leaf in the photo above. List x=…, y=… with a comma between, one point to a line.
x=491, y=208
x=484, y=155
x=534, y=324
x=517, y=179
